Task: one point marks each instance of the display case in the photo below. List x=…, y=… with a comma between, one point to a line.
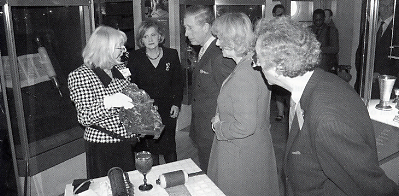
x=376, y=53
x=41, y=43
x=386, y=122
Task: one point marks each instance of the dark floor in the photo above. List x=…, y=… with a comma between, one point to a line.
x=7, y=177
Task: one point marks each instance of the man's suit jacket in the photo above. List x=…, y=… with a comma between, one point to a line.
x=208, y=75
x=335, y=152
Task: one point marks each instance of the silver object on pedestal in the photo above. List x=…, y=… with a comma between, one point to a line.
x=386, y=83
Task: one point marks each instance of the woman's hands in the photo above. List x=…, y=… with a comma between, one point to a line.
x=118, y=100
x=174, y=111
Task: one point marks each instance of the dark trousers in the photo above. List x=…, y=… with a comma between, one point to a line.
x=100, y=157
x=204, y=151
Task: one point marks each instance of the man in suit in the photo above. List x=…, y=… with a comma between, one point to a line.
x=208, y=75
x=331, y=149
x=382, y=63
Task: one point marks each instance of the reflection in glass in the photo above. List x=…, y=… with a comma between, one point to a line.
x=375, y=55
x=118, y=15
x=302, y=11
x=159, y=9
x=254, y=12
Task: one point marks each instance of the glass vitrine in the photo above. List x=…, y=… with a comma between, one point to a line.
x=254, y=12
x=41, y=43
x=376, y=51
x=369, y=63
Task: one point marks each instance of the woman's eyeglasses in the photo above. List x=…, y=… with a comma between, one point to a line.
x=123, y=48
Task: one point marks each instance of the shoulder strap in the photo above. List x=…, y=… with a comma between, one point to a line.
x=112, y=134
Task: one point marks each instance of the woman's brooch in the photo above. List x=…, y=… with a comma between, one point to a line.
x=167, y=66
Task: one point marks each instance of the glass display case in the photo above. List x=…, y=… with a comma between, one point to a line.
x=40, y=44
x=376, y=54
x=368, y=64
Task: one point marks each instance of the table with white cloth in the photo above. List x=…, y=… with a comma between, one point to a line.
x=386, y=128
x=199, y=185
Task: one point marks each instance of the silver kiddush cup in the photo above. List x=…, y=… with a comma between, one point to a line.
x=386, y=85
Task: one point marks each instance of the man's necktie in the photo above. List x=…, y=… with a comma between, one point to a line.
x=380, y=30
x=201, y=53
x=295, y=111
x=291, y=114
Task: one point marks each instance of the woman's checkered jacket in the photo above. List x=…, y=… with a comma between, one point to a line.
x=87, y=90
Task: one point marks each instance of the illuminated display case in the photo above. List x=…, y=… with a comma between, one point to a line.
x=386, y=128
x=366, y=52
x=40, y=44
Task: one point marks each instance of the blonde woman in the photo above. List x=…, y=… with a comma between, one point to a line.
x=95, y=88
x=242, y=160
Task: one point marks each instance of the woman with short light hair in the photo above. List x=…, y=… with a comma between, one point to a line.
x=242, y=160
x=101, y=47
x=234, y=30
x=96, y=90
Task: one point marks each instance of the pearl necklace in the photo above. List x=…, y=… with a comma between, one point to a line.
x=159, y=54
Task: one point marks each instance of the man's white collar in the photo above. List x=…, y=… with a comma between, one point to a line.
x=298, y=85
x=207, y=43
